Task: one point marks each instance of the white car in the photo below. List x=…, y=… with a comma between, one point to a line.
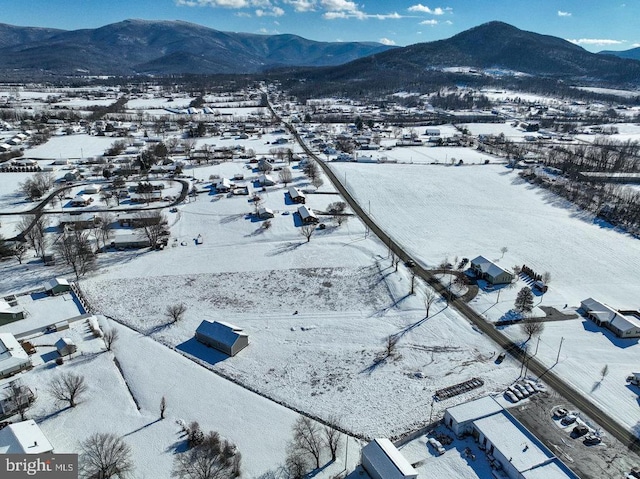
x=511, y=396
x=436, y=446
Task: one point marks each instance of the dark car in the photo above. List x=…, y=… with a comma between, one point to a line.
x=501, y=357
x=410, y=263
x=580, y=430
x=592, y=440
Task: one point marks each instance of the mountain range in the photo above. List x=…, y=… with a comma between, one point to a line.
x=176, y=47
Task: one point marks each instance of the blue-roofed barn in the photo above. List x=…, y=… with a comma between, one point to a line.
x=222, y=336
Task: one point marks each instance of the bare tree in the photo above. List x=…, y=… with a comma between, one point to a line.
x=336, y=210
x=19, y=397
x=531, y=328
x=110, y=337
x=296, y=462
x=332, y=438
x=311, y=170
x=395, y=260
x=390, y=345
x=104, y=228
x=317, y=182
x=503, y=250
x=33, y=228
x=75, y=248
x=429, y=298
x=546, y=277
x=152, y=225
x=307, y=437
x=105, y=456
x=163, y=407
x=175, y=312
x=414, y=274
x=19, y=250
x=517, y=269
x=307, y=231
x=214, y=458
x=285, y=176
x=604, y=371
x=68, y=387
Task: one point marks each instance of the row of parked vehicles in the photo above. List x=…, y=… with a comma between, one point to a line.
x=579, y=429
x=524, y=389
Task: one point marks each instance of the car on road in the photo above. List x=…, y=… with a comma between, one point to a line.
x=569, y=419
x=560, y=412
x=592, y=440
x=580, y=430
x=409, y=263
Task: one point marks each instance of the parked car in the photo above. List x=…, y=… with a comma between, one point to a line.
x=516, y=392
x=437, y=447
x=537, y=386
x=530, y=388
x=592, y=440
x=501, y=357
x=569, y=419
x=560, y=412
x=523, y=390
x=580, y=430
x=511, y=396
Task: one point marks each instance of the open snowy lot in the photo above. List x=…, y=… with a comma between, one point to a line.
x=439, y=212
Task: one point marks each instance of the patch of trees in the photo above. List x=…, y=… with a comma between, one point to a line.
x=117, y=106
x=76, y=250
x=460, y=101
x=36, y=186
x=310, y=444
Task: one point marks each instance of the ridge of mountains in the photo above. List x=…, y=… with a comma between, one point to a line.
x=134, y=47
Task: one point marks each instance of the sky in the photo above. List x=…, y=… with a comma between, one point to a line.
x=593, y=24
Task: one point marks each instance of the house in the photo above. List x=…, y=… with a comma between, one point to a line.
x=66, y=346
x=73, y=175
x=12, y=397
x=81, y=200
x=82, y=221
x=382, y=460
x=266, y=180
x=24, y=437
x=510, y=447
x=265, y=213
x=297, y=196
x=57, y=286
x=623, y=323
x=222, y=336
x=92, y=189
x=432, y=132
x=490, y=272
x=10, y=311
x=223, y=185
x=13, y=358
x=307, y=215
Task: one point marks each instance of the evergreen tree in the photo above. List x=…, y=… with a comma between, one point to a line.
x=524, y=300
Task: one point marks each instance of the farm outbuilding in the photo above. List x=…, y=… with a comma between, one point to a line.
x=57, y=286
x=382, y=460
x=222, y=336
x=66, y=346
x=10, y=311
x=13, y=358
x=489, y=271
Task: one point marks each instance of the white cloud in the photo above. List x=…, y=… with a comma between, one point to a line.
x=339, y=5
x=215, y=3
x=432, y=11
x=429, y=22
x=302, y=5
x=635, y=45
x=563, y=14
x=386, y=41
x=596, y=41
x=274, y=12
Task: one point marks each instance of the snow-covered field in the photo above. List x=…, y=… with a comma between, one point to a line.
x=438, y=212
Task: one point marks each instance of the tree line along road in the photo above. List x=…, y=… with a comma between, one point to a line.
x=568, y=392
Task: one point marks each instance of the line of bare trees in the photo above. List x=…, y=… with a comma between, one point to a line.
x=309, y=445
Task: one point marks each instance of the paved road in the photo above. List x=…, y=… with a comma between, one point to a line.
x=605, y=420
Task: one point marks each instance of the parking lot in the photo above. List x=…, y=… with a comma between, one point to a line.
x=608, y=460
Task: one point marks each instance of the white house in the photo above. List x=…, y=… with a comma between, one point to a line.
x=24, y=438
x=266, y=180
x=13, y=358
x=222, y=336
x=382, y=460
x=92, y=189
x=489, y=271
x=625, y=324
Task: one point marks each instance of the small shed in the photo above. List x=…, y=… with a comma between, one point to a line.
x=57, y=286
x=66, y=346
x=382, y=460
x=222, y=336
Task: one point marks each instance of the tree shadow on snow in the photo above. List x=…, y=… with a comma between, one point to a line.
x=285, y=248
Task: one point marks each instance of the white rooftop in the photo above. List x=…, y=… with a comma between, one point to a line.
x=552, y=470
x=11, y=352
x=513, y=441
x=472, y=410
x=23, y=438
x=387, y=460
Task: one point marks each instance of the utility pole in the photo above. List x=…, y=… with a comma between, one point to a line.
x=559, y=348
x=537, y=344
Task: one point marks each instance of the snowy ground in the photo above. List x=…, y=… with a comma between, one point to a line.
x=467, y=211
